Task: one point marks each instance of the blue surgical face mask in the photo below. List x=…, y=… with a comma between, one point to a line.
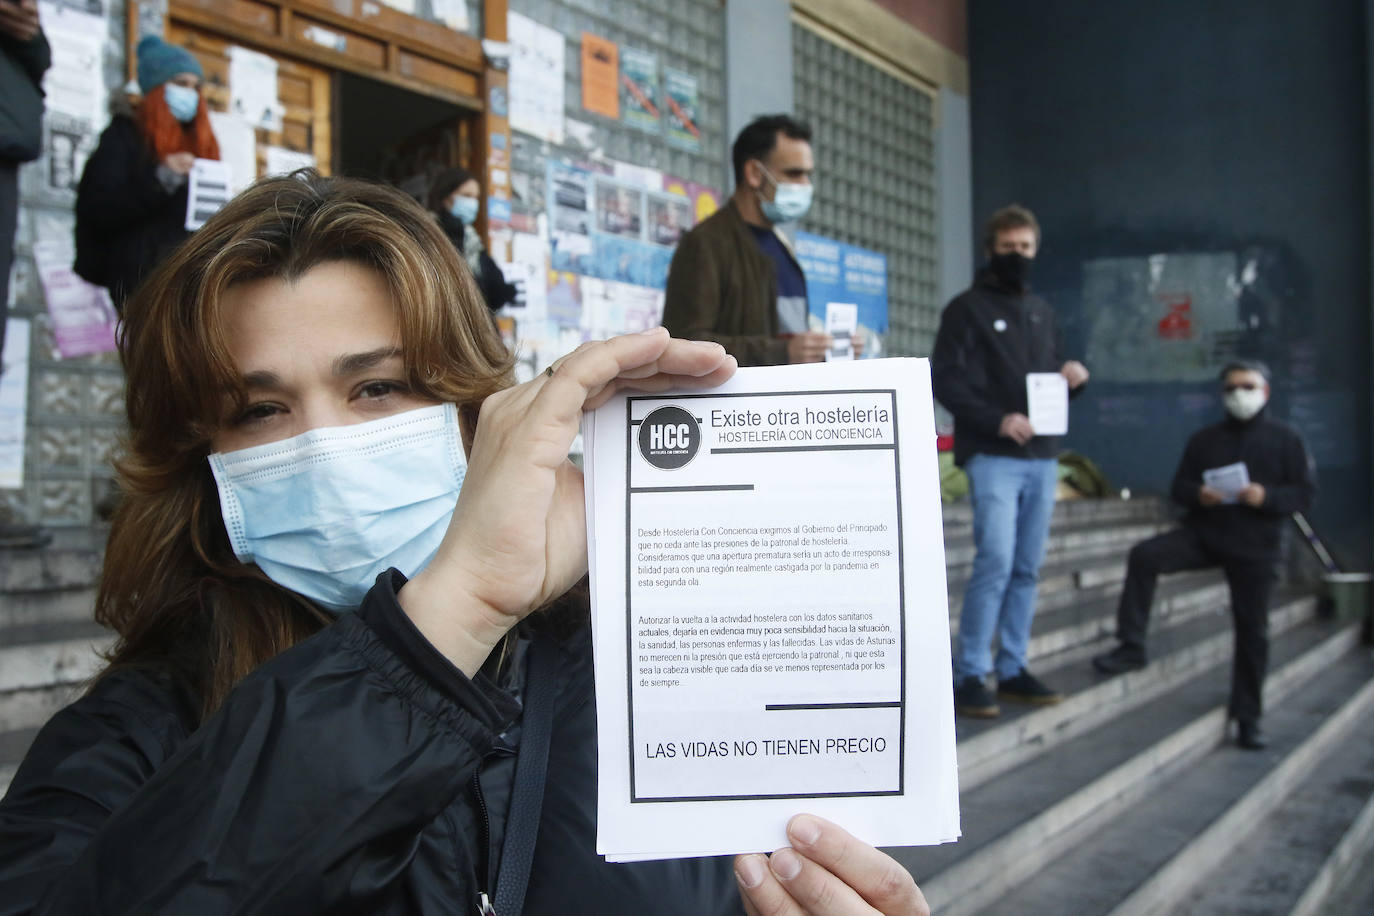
x=465, y=209
x=790, y=200
x=325, y=512
x=182, y=101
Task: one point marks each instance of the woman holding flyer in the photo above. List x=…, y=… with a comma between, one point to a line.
x=335, y=690
x=131, y=201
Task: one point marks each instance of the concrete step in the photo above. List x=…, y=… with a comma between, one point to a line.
x=990, y=747
x=1072, y=547
x=1285, y=859
x=44, y=666
x=1145, y=856
x=958, y=515
x=1354, y=892
x=1019, y=822
x=19, y=609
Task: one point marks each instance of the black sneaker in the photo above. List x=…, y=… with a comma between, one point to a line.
x=1027, y=688
x=1250, y=737
x=1120, y=660
x=972, y=698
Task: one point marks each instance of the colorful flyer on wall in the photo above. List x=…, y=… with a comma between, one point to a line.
x=681, y=98
x=769, y=612
x=600, y=75
x=639, y=82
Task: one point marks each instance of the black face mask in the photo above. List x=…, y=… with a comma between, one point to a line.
x=1012, y=269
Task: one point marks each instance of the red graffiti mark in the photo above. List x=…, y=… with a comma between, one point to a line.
x=1178, y=323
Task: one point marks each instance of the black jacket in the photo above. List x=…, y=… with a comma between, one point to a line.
x=1274, y=456
x=989, y=338
x=356, y=772
x=496, y=292
x=126, y=222
x=22, y=64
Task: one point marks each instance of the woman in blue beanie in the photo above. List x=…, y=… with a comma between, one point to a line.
x=131, y=202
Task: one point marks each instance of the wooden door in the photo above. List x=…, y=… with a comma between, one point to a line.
x=303, y=89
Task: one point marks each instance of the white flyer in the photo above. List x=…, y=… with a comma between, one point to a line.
x=14, y=402
x=1047, y=396
x=209, y=190
x=536, y=78
x=1229, y=480
x=841, y=323
x=253, y=88
x=238, y=147
x=769, y=611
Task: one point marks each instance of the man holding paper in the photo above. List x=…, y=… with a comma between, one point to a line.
x=996, y=367
x=734, y=278
x=1240, y=479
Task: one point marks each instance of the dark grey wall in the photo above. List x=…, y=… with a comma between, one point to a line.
x=1177, y=127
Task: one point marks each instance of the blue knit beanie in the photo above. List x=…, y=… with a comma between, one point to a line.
x=158, y=62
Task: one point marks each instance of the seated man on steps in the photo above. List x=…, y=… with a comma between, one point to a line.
x=1235, y=527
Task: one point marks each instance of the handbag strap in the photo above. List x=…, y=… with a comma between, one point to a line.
x=531, y=765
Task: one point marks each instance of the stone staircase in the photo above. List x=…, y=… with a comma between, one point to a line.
x=1127, y=798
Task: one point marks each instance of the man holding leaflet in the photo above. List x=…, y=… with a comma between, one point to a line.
x=1240, y=479
x=995, y=343
x=734, y=278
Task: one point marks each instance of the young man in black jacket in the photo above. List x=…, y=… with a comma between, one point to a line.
x=991, y=338
x=1234, y=527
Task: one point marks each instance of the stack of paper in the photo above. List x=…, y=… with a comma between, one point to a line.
x=769, y=612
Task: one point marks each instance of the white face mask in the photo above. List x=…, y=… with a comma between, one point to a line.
x=325, y=512
x=1244, y=403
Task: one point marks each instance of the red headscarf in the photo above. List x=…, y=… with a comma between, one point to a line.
x=168, y=135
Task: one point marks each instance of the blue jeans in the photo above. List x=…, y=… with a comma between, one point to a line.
x=1013, y=499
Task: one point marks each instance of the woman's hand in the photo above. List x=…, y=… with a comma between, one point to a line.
x=518, y=536
x=826, y=872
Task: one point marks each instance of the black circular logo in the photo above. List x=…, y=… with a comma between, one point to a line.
x=669, y=438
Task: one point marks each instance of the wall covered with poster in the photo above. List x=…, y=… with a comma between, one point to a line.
x=603, y=184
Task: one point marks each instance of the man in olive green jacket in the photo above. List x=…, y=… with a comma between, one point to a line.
x=734, y=278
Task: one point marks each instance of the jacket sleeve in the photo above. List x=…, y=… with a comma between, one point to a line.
x=495, y=289
x=34, y=55
x=119, y=186
x=1295, y=492
x=306, y=792
x=692, y=303
x=957, y=373
x=1188, y=477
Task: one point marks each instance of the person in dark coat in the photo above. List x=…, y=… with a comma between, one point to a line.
x=24, y=58
x=330, y=670
x=455, y=198
x=992, y=337
x=1235, y=528
x=131, y=200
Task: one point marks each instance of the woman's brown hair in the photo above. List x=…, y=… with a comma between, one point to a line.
x=171, y=586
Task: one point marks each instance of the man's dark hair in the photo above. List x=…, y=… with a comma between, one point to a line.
x=1247, y=365
x=1013, y=216
x=759, y=137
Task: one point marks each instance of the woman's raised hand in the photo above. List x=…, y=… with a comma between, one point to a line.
x=518, y=536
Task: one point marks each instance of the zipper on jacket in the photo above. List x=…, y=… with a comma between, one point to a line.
x=484, y=906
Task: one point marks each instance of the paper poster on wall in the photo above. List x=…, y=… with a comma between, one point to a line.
x=74, y=84
x=536, y=78
x=452, y=13
x=14, y=403
x=283, y=161
x=253, y=88
x=600, y=76
x=82, y=315
x=70, y=142
x=838, y=272
x=682, y=99
x=238, y=148
x=639, y=80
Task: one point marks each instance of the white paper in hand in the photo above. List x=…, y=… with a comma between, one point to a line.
x=841, y=323
x=208, y=191
x=1228, y=480
x=769, y=612
x=1047, y=396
